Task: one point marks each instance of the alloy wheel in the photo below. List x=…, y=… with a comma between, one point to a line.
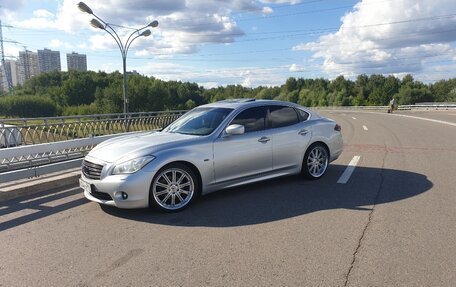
x=173, y=188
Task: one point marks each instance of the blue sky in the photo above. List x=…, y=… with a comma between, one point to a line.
x=247, y=42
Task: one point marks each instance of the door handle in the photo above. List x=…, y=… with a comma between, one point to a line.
x=303, y=132
x=264, y=139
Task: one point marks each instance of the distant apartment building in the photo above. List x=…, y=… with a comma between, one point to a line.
x=2, y=80
x=28, y=66
x=12, y=69
x=48, y=61
x=77, y=62
x=9, y=73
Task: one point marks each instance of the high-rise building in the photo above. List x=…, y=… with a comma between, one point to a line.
x=77, y=62
x=48, y=61
x=3, y=82
x=10, y=74
x=12, y=69
x=28, y=65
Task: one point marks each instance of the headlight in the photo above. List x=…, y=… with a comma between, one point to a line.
x=132, y=165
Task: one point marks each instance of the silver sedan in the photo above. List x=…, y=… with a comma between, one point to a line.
x=215, y=146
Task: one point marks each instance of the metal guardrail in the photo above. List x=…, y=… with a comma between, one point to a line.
x=429, y=106
x=33, y=147
x=35, y=160
x=30, y=131
x=351, y=108
x=436, y=106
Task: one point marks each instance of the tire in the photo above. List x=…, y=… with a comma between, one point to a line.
x=316, y=161
x=173, y=188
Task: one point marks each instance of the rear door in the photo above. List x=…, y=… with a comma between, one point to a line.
x=291, y=134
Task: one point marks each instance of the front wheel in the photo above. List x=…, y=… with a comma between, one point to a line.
x=173, y=188
x=315, y=161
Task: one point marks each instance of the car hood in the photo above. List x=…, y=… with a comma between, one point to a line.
x=140, y=144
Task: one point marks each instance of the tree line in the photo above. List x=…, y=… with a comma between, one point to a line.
x=78, y=93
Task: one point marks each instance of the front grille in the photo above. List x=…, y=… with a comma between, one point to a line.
x=91, y=170
x=101, y=195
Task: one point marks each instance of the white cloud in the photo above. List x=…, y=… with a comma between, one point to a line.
x=67, y=18
x=246, y=76
x=281, y=1
x=42, y=19
x=267, y=10
x=82, y=46
x=11, y=51
x=9, y=7
x=43, y=13
x=184, y=26
x=296, y=68
x=382, y=37
x=247, y=82
x=56, y=43
x=209, y=85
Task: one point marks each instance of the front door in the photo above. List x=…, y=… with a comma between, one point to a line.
x=238, y=157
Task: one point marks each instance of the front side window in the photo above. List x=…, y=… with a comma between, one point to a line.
x=253, y=119
x=199, y=121
x=282, y=116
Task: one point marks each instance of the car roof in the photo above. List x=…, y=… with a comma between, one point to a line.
x=248, y=102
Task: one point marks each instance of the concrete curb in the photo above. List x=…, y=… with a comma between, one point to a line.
x=12, y=190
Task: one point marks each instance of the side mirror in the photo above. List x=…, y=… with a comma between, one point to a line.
x=235, y=130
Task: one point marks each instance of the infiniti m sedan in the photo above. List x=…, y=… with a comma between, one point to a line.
x=212, y=147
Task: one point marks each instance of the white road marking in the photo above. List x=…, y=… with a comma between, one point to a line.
x=349, y=170
x=365, y=128
x=426, y=119
x=354, y=118
x=404, y=116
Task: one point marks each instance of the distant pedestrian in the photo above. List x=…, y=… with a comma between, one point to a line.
x=392, y=105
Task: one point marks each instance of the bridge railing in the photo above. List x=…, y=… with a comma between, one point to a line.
x=32, y=147
x=29, y=131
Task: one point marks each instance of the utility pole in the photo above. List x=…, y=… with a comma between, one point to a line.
x=6, y=74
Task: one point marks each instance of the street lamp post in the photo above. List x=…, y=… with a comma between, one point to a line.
x=100, y=24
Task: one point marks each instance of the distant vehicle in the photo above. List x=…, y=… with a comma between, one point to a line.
x=10, y=136
x=215, y=146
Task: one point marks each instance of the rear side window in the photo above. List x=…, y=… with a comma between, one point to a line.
x=282, y=116
x=253, y=119
x=303, y=115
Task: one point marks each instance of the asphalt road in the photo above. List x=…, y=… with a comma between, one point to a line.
x=391, y=224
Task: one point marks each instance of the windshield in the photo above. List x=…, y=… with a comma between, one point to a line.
x=199, y=121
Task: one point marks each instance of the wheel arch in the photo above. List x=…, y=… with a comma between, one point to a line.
x=193, y=168
x=318, y=142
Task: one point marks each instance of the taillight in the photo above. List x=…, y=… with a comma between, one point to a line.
x=337, y=128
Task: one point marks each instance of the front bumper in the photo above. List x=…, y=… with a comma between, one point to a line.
x=109, y=189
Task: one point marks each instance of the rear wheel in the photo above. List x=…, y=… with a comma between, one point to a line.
x=173, y=188
x=315, y=162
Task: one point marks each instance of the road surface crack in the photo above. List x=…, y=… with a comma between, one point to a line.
x=360, y=241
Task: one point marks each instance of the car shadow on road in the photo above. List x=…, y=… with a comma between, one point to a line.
x=288, y=197
x=25, y=209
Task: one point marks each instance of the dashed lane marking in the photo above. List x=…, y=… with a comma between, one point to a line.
x=365, y=128
x=354, y=118
x=349, y=170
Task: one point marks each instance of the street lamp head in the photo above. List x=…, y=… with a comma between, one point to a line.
x=84, y=8
x=146, y=33
x=153, y=24
x=97, y=24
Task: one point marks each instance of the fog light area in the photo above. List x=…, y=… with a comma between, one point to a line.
x=121, y=195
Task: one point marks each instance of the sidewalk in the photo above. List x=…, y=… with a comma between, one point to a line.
x=14, y=189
